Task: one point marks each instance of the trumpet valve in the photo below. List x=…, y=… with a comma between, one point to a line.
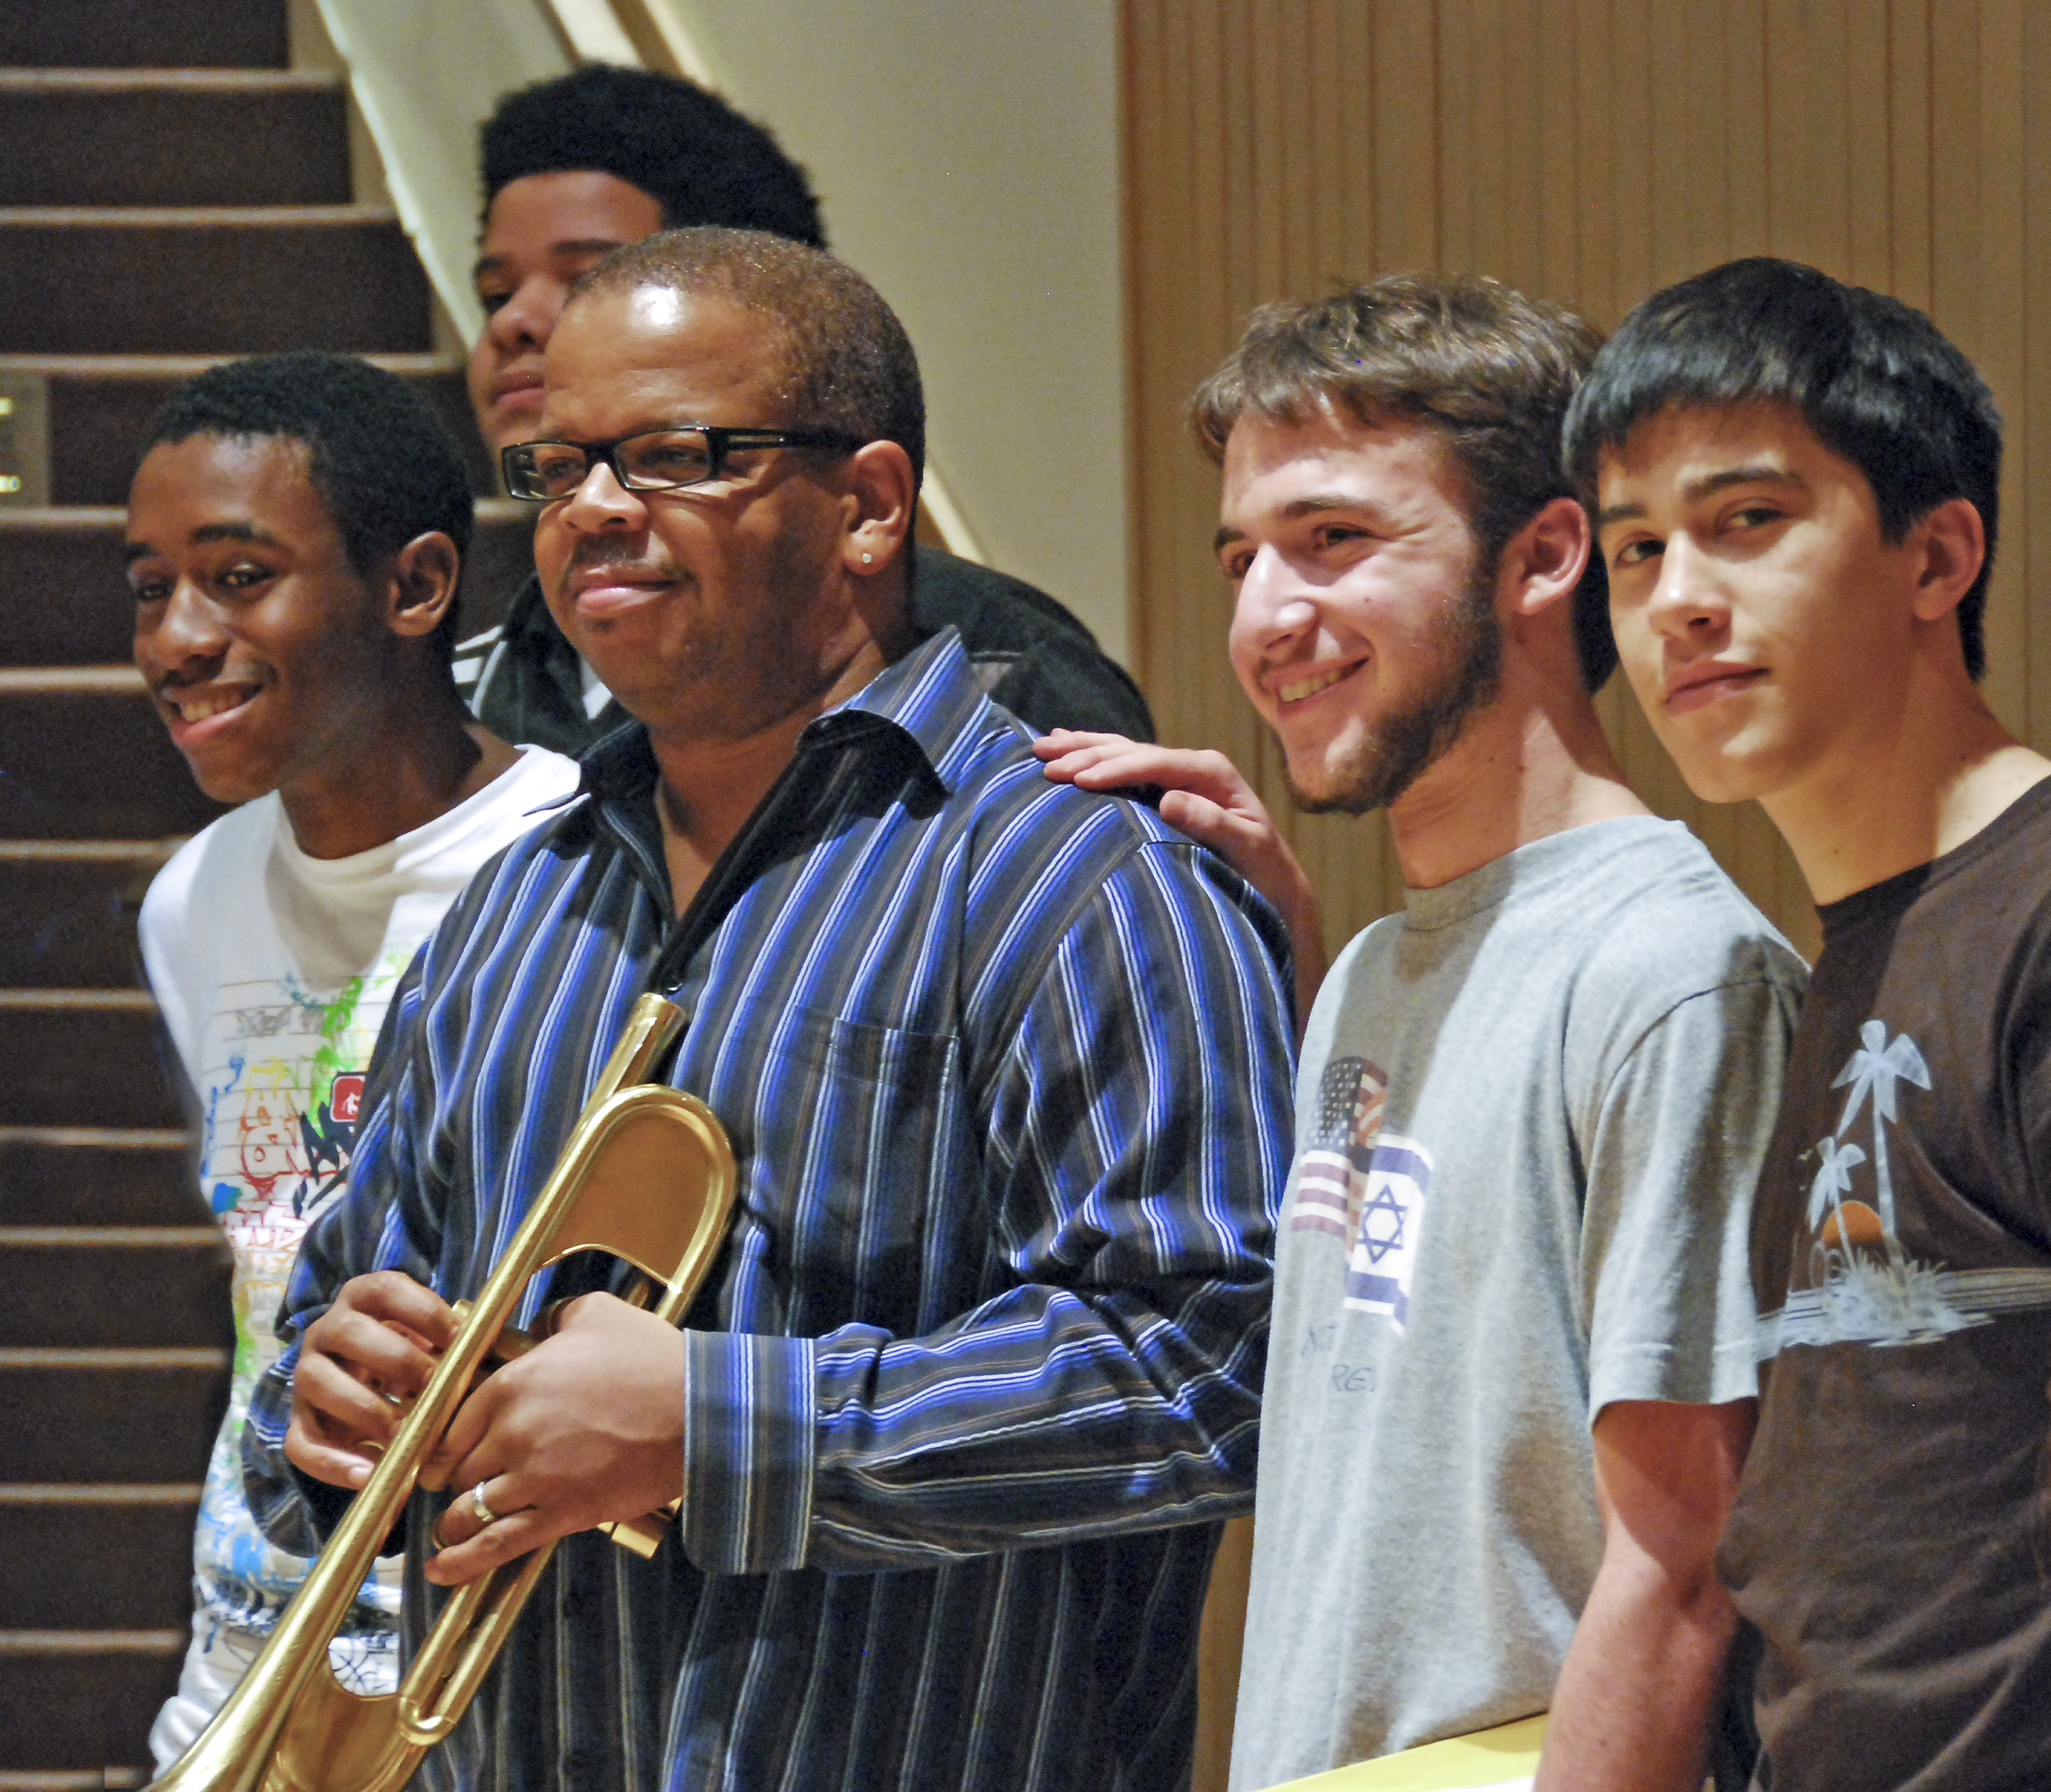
x=643, y=1534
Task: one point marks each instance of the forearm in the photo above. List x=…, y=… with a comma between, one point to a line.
x=1638, y=1696
x=1040, y=1419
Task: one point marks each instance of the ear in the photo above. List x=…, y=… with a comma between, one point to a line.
x=1543, y=562
x=883, y=498
x=420, y=585
x=1951, y=542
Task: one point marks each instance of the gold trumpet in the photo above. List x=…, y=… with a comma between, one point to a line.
x=647, y=1175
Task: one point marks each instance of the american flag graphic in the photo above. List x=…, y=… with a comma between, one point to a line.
x=1332, y=1170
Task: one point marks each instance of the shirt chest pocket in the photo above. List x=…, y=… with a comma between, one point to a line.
x=856, y=1166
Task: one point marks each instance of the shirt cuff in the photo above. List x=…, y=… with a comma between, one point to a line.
x=751, y=1416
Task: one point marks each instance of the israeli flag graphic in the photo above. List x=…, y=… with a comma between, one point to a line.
x=1391, y=1211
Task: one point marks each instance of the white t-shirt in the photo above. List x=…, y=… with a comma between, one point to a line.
x=274, y=970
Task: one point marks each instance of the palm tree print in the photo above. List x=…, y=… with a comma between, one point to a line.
x=1833, y=1179
x=1875, y=1069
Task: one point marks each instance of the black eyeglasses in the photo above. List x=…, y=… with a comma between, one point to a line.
x=653, y=460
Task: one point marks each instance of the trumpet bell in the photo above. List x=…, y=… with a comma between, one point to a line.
x=340, y=1738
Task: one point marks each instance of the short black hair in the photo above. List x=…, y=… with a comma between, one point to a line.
x=1486, y=369
x=381, y=460
x=687, y=150
x=1873, y=378
x=846, y=363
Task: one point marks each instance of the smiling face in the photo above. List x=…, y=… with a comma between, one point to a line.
x=258, y=639
x=1766, y=625
x=707, y=611
x=540, y=232
x=1364, y=631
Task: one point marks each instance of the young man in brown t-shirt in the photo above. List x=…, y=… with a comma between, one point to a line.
x=1796, y=486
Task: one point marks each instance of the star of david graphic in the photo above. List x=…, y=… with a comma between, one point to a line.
x=1382, y=1217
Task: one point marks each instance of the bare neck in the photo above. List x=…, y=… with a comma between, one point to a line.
x=414, y=754
x=1920, y=773
x=708, y=787
x=1533, y=763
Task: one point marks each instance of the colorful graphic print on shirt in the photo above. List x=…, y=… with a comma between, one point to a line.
x=1852, y=1281
x=284, y=1088
x=280, y=1117
x=1364, y=1187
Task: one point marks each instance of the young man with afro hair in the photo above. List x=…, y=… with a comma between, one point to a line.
x=295, y=530
x=575, y=167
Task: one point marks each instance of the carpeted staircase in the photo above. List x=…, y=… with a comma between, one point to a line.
x=152, y=218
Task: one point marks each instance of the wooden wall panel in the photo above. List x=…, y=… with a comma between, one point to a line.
x=2029, y=546
x=1590, y=151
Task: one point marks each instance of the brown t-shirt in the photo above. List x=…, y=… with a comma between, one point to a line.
x=1890, y=1537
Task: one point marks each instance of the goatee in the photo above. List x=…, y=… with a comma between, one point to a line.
x=1393, y=756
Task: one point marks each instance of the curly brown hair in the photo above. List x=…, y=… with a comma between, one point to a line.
x=1488, y=370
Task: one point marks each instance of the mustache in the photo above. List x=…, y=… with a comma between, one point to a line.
x=614, y=554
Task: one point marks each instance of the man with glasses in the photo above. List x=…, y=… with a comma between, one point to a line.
x=1005, y=1069
x=577, y=166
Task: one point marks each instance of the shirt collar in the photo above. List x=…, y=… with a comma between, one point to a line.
x=917, y=718
x=930, y=696
x=925, y=705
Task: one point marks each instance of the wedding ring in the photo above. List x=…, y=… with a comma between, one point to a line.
x=484, y=1514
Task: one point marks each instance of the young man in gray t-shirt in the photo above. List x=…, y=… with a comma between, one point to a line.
x=1510, y=1378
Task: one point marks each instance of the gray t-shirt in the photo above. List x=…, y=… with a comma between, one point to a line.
x=1529, y=1116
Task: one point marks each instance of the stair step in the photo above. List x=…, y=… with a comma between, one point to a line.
x=174, y=137
x=71, y=1413
x=89, y=1779
x=85, y=1176
x=120, y=34
x=64, y=595
x=64, y=601
x=73, y=1695
x=101, y=405
x=110, y=1287
x=84, y=1057
x=139, y=1539
x=89, y=681
x=200, y=280
x=68, y=911
x=85, y=755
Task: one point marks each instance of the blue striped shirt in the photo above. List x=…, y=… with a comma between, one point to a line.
x=1005, y=1067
